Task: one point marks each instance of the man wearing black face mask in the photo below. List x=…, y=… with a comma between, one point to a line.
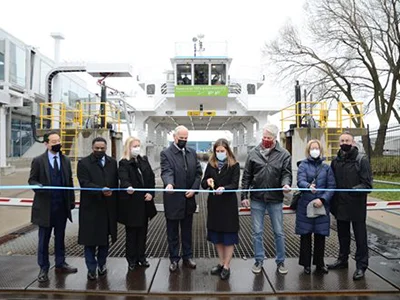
x=352, y=171
x=98, y=208
x=180, y=169
x=52, y=208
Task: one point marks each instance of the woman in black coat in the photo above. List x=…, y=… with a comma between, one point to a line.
x=135, y=207
x=222, y=173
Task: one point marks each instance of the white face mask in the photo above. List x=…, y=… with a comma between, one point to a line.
x=135, y=151
x=314, y=153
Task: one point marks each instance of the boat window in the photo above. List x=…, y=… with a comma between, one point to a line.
x=201, y=74
x=251, y=89
x=151, y=89
x=218, y=74
x=184, y=74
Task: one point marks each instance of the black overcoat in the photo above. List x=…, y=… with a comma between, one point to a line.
x=137, y=174
x=97, y=213
x=223, y=215
x=176, y=205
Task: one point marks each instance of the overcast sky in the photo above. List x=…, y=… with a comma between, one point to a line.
x=144, y=33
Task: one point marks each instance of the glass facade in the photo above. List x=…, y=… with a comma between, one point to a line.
x=21, y=137
x=2, y=52
x=17, y=65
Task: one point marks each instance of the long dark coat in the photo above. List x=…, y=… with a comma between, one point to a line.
x=351, y=173
x=132, y=208
x=97, y=213
x=40, y=175
x=307, y=172
x=222, y=209
x=176, y=205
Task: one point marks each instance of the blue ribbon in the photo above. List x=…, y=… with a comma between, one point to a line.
x=38, y=187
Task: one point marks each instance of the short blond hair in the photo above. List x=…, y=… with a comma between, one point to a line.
x=127, y=147
x=321, y=149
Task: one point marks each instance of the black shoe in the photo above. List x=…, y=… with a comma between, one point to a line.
x=143, y=263
x=102, y=270
x=91, y=275
x=43, y=275
x=66, y=268
x=173, y=266
x=217, y=269
x=225, y=273
x=358, y=274
x=339, y=264
x=307, y=270
x=132, y=267
x=189, y=263
x=322, y=270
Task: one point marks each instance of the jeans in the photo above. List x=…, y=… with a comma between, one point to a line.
x=275, y=211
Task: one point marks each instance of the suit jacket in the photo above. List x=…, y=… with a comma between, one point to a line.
x=40, y=175
x=176, y=205
x=97, y=213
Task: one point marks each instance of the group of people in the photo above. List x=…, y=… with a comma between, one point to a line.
x=267, y=174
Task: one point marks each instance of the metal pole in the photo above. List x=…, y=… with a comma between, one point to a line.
x=103, y=99
x=298, y=104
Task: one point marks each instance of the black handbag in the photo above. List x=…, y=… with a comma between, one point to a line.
x=151, y=209
x=295, y=200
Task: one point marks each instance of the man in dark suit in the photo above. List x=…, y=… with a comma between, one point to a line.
x=98, y=208
x=52, y=208
x=180, y=169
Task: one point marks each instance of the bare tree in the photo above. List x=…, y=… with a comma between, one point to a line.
x=355, y=54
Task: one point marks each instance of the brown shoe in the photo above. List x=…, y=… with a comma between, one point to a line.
x=66, y=268
x=189, y=263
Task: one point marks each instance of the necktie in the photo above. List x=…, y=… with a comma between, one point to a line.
x=56, y=167
x=184, y=159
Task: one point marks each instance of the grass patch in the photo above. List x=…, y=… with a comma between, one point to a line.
x=387, y=196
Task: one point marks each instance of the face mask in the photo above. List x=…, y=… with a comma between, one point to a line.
x=99, y=154
x=56, y=148
x=267, y=143
x=221, y=156
x=314, y=153
x=345, y=147
x=135, y=151
x=181, y=144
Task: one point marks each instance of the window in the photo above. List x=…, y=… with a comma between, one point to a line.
x=218, y=74
x=184, y=74
x=251, y=89
x=17, y=65
x=201, y=74
x=2, y=52
x=21, y=137
x=44, y=70
x=150, y=89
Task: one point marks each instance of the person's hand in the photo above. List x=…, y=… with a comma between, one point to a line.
x=189, y=194
x=286, y=188
x=220, y=190
x=313, y=188
x=210, y=182
x=107, y=192
x=246, y=203
x=148, y=197
x=318, y=203
x=130, y=190
x=169, y=187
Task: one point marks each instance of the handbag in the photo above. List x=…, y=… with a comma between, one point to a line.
x=297, y=194
x=151, y=209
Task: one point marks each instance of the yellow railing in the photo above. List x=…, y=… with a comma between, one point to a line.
x=317, y=115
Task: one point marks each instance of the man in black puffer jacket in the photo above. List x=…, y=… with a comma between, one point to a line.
x=352, y=171
x=268, y=165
